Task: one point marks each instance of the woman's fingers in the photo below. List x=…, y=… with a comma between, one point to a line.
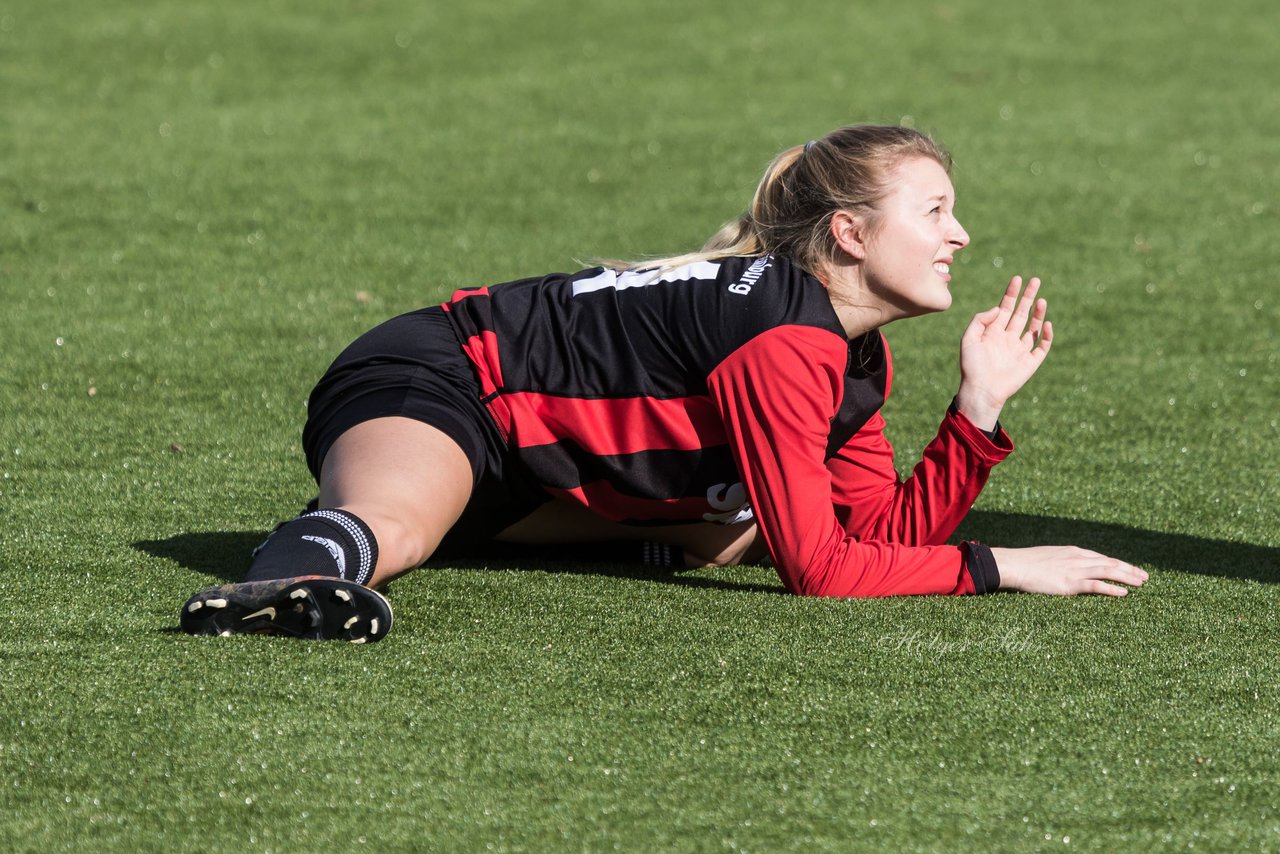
x=1046, y=338
x=1095, y=570
x=1010, y=298
x=1018, y=320
x=1036, y=323
x=988, y=317
x=1020, y=310
x=1101, y=588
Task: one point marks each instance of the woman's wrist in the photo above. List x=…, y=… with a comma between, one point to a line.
x=1006, y=559
x=983, y=413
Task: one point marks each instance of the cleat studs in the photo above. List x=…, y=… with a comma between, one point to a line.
x=349, y=623
x=360, y=640
x=195, y=606
x=373, y=626
x=215, y=603
x=225, y=633
x=300, y=593
x=343, y=595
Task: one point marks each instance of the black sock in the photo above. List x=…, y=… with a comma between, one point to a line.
x=323, y=542
x=661, y=554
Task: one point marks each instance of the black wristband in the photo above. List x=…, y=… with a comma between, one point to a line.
x=991, y=434
x=982, y=567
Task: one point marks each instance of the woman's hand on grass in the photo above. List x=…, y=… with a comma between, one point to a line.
x=1000, y=350
x=1064, y=571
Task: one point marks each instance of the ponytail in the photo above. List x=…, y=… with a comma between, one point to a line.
x=737, y=237
x=802, y=188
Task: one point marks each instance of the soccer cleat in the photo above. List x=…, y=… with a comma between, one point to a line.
x=312, y=607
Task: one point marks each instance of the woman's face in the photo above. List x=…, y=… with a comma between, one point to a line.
x=909, y=255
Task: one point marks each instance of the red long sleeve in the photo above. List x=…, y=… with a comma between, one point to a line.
x=848, y=527
x=873, y=504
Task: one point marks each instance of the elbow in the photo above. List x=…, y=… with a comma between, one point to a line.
x=812, y=581
x=831, y=592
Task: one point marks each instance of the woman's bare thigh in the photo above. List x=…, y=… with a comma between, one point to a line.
x=407, y=481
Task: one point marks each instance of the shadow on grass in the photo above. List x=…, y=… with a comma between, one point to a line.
x=1176, y=552
x=225, y=554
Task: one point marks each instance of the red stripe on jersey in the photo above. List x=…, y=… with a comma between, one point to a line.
x=619, y=425
x=464, y=293
x=603, y=500
x=482, y=350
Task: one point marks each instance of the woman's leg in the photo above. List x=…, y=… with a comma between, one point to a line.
x=703, y=544
x=389, y=490
x=406, y=480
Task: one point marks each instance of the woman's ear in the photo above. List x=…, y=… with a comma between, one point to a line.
x=850, y=233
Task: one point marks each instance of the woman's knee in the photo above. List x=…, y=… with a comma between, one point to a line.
x=403, y=540
x=408, y=481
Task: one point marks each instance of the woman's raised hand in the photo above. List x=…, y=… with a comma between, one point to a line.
x=1064, y=571
x=1000, y=350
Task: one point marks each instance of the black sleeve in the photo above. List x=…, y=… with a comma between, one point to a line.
x=982, y=567
x=991, y=434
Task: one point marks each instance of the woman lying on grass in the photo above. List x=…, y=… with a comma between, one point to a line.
x=712, y=408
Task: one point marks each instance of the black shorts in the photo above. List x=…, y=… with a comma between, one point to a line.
x=413, y=366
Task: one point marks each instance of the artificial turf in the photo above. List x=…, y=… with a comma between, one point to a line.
x=202, y=203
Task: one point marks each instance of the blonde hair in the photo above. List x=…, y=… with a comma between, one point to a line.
x=790, y=214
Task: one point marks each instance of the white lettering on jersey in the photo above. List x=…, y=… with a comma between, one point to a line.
x=632, y=279
x=751, y=276
x=731, y=501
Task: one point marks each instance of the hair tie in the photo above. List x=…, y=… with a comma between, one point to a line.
x=808, y=145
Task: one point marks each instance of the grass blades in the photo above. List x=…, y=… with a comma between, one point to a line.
x=202, y=203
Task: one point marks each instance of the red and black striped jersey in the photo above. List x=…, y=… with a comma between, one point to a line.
x=715, y=392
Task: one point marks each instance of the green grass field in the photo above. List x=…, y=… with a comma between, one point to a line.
x=201, y=203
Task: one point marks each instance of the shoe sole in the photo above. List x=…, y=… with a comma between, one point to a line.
x=313, y=608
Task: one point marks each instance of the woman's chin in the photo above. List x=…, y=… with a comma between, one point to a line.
x=936, y=303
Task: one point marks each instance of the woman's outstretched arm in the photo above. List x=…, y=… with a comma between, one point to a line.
x=872, y=503
x=1000, y=350
x=778, y=429
x=777, y=396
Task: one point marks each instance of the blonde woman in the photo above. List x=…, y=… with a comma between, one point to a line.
x=711, y=408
